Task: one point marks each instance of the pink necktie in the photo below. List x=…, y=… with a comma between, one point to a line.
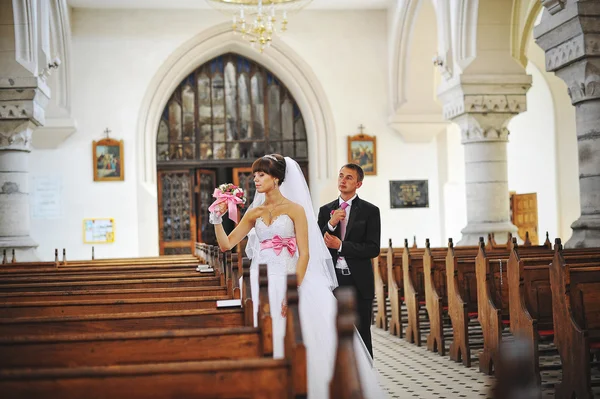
x=343, y=206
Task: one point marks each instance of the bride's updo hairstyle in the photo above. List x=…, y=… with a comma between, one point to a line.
x=272, y=164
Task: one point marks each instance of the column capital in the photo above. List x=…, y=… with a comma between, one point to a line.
x=571, y=40
x=485, y=94
x=15, y=135
x=476, y=128
x=482, y=106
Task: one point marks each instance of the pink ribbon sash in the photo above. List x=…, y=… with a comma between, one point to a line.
x=232, y=203
x=278, y=243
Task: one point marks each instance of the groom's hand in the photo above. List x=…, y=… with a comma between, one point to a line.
x=337, y=216
x=332, y=241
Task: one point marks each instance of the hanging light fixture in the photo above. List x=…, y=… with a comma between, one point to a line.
x=259, y=20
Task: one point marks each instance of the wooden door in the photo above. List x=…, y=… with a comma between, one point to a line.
x=206, y=181
x=176, y=217
x=525, y=215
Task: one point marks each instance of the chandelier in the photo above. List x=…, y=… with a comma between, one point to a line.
x=259, y=20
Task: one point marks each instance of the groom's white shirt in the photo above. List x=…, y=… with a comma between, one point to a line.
x=341, y=263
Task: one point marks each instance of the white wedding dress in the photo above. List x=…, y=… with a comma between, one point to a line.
x=318, y=309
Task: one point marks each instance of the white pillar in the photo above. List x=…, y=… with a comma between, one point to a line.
x=483, y=118
x=568, y=35
x=23, y=96
x=15, y=145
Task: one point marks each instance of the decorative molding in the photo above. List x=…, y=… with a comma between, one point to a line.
x=466, y=31
x=18, y=141
x=484, y=104
x=24, y=103
x=568, y=52
x=26, y=34
x=476, y=134
x=16, y=111
x=60, y=44
x=554, y=6
x=583, y=82
x=522, y=28
x=400, y=38
x=477, y=128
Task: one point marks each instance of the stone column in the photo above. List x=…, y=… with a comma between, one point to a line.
x=483, y=119
x=568, y=33
x=24, y=67
x=19, y=115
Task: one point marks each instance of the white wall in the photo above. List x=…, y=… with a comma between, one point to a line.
x=455, y=189
x=532, y=153
x=116, y=53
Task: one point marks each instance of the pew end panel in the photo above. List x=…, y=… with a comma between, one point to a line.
x=345, y=382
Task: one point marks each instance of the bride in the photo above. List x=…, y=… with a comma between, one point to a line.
x=283, y=233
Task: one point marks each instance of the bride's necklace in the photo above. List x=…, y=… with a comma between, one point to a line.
x=275, y=206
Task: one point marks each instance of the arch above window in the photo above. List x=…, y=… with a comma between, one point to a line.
x=230, y=108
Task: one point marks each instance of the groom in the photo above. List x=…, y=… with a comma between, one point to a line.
x=351, y=229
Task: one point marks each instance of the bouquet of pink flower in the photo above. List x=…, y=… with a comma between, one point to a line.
x=231, y=195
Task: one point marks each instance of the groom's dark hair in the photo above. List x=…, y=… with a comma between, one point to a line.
x=272, y=164
x=359, y=171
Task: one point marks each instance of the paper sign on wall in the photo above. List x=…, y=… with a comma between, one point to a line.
x=46, y=197
x=98, y=231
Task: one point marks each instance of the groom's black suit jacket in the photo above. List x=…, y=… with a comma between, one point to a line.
x=361, y=244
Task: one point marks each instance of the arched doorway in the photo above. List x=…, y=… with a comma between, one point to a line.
x=221, y=117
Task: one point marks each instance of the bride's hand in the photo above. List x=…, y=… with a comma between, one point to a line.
x=222, y=209
x=284, y=308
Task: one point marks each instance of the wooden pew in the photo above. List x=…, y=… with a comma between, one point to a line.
x=576, y=313
x=395, y=288
x=83, y=307
x=92, y=290
x=108, y=348
x=68, y=278
x=461, y=285
x=414, y=291
x=122, y=322
x=112, y=294
x=248, y=378
x=492, y=305
x=436, y=297
x=90, y=270
x=345, y=382
x=98, y=349
x=154, y=260
x=113, y=284
x=381, y=283
x=530, y=295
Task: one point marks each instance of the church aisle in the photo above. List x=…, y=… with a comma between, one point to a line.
x=409, y=371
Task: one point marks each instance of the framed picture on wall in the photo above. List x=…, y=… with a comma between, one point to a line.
x=409, y=194
x=108, y=159
x=362, y=150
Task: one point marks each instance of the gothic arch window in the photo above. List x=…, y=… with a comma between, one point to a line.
x=220, y=118
x=230, y=108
